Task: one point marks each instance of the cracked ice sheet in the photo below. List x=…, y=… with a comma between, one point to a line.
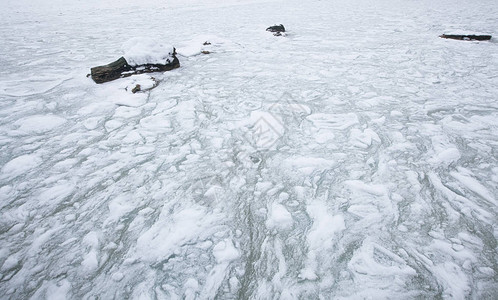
x=358, y=162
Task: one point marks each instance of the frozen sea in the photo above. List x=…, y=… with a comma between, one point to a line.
x=354, y=158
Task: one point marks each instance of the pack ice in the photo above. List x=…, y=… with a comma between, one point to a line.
x=353, y=158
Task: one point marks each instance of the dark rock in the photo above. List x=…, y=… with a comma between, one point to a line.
x=111, y=71
x=206, y=43
x=276, y=28
x=463, y=37
x=120, y=68
x=137, y=88
x=205, y=52
x=255, y=159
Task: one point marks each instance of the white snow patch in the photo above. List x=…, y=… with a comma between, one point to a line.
x=142, y=50
x=39, y=123
x=124, y=98
x=145, y=81
x=196, y=45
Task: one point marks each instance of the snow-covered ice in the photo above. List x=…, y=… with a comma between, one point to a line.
x=354, y=158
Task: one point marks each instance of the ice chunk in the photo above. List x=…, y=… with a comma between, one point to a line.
x=118, y=276
x=307, y=165
x=177, y=228
x=91, y=239
x=119, y=207
x=20, y=165
x=54, y=195
x=453, y=280
x=90, y=261
x=334, y=121
x=321, y=237
x=363, y=139
x=264, y=129
x=446, y=156
x=112, y=125
x=473, y=185
x=225, y=251
x=191, y=288
x=373, y=189
x=279, y=217
x=58, y=291
x=10, y=263
x=378, y=270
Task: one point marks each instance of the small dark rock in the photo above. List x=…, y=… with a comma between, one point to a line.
x=206, y=43
x=255, y=159
x=276, y=28
x=137, y=88
x=205, y=52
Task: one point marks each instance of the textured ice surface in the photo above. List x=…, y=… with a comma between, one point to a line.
x=354, y=158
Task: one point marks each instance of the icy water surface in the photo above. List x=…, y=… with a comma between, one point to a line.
x=355, y=158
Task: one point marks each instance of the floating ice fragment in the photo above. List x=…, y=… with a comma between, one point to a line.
x=446, y=157
x=363, y=139
x=118, y=276
x=39, y=123
x=279, y=218
x=58, y=291
x=10, y=263
x=191, y=288
x=473, y=185
x=90, y=261
x=334, y=121
x=20, y=165
x=225, y=251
